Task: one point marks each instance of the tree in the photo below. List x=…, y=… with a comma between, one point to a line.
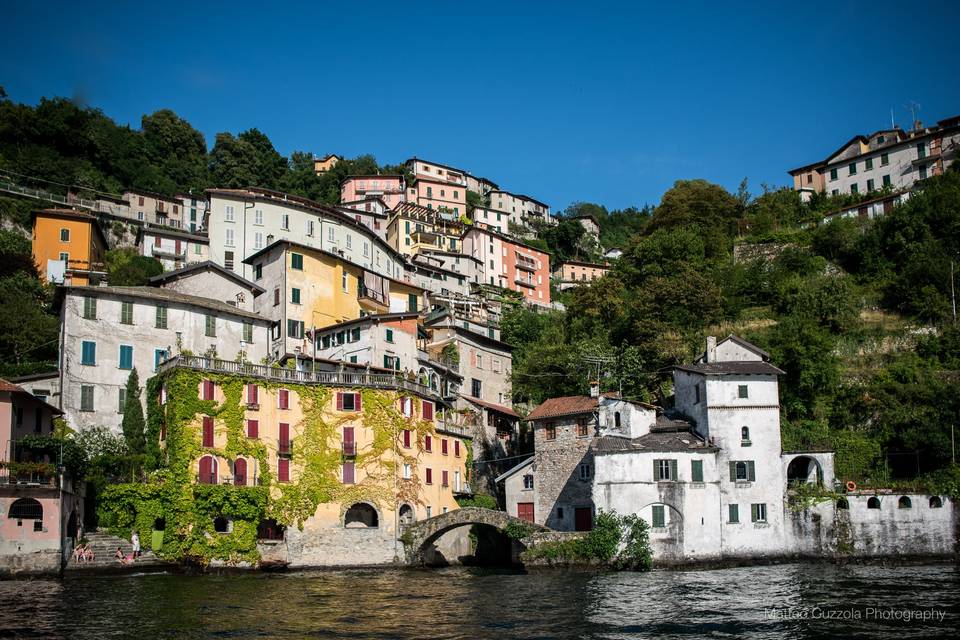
x=28, y=333
x=133, y=425
x=126, y=268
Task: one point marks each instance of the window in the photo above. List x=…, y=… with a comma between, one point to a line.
x=296, y=261
x=854, y=188
x=389, y=335
x=742, y=471
x=476, y=387
x=852, y=169
x=258, y=217
x=349, y=472
x=550, y=431
x=407, y=471
x=923, y=171
x=745, y=436
x=444, y=478
x=406, y=438
x=126, y=313
x=295, y=295
x=121, y=399
x=330, y=234
x=733, y=513
x=833, y=174
x=345, y=282
x=253, y=428
x=86, y=397
x=285, y=222
x=584, y=471
x=64, y=235
x=276, y=296
x=758, y=512
x=696, y=394
x=665, y=470
x=870, y=185
x=443, y=446
x=88, y=353
x=427, y=412
x=228, y=238
x=283, y=399
x=886, y=180
x=211, y=326
x=582, y=430
x=835, y=192
x=936, y=502
x=868, y=164
x=843, y=504
x=528, y=481
x=873, y=503
x=428, y=443
x=258, y=271
x=659, y=517
x=295, y=329
x=258, y=241
x=349, y=241
x=479, y=361
x=206, y=390
x=161, y=316
x=429, y=476
x=310, y=228
x=228, y=260
x=696, y=470
x=89, y=308
x=126, y=357
x=283, y=470
x=412, y=302
x=880, y=139
x=884, y=159
x=348, y=401
x=227, y=213
x=742, y=391
x=904, y=503
x=921, y=150
x=207, y=431
x=616, y=419
x=248, y=331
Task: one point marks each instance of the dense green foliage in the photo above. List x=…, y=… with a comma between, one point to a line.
x=621, y=542
x=132, y=425
x=857, y=313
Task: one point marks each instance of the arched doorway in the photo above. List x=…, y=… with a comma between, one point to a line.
x=240, y=472
x=72, y=526
x=804, y=470
x=407, y=515
x=361, y=516
x=208, y=470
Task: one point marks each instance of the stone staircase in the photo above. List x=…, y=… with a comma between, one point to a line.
x=104, y=547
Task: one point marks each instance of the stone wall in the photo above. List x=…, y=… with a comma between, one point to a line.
x=557, y=466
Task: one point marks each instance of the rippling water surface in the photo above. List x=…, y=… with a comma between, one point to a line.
x=787, y=601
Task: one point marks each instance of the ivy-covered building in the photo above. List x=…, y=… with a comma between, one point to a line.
x=271, y=464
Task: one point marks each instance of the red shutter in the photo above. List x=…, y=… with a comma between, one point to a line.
x=429, y=476
x=456, y=448
x=178, y=248
x=348, y=473
x=357, y=402
x=443, y=446
x=207, y=431
x=240, y=472
x=253, y=428
x=207, y=472
x=207, y=390
x=445, y=479
x=283, y=470
x=428, y=443
x=253, y=394
x=284, y=399
x=406, y=438
x=284, y=437
x=339, y=401
x=427, y=410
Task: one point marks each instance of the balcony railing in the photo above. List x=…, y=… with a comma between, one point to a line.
x=455, y=429
x=333, y=378
x=207, y=478
x=365, y=293
x=30, y=479
x=525, y=283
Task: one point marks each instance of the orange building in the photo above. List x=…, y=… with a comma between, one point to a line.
x=68, y=246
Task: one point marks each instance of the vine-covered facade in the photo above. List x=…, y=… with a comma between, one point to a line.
x=253, y=466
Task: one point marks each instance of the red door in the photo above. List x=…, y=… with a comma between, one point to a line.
x=525, y=511
x=583, y=518
x=240, y=472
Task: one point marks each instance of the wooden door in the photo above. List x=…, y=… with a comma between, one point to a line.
x=583, y=518
x=525, y=511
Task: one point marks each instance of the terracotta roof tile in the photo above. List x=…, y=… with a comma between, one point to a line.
x=564, y=406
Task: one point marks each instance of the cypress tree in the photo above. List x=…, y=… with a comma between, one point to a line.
x=133, y=423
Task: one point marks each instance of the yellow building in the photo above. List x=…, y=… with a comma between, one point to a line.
x=346, y=458
x=68, y=246
x=309, y=288
x=322, y=165
x=412, y=229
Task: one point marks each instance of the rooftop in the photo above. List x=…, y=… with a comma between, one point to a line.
x=654, y=442
x=563, y=406
x=207, y=265
x=731, y=368
x=163, y=295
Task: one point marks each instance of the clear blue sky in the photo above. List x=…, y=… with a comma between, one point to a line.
x=604, y=102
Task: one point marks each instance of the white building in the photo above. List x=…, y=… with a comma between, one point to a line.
x=210, y=280
x=108, y=331
x=521, y=209
x=173, y=248
x=241, y=222
x=388, y=341
x=194, y=211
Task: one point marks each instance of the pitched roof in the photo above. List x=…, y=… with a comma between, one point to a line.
x=731, y=368
x=563, y=406
x=653, y=442
x=489, y=405
x=523, y=465
x=164, y=295
x=208, y=265
x=13, y=388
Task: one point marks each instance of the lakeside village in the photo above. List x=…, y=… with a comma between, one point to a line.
x=327, y=386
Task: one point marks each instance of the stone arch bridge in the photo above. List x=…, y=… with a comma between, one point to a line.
x=419, y=536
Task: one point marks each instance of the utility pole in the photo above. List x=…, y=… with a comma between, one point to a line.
x=953, y=294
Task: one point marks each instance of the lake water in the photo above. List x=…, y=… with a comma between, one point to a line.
x=786, y=601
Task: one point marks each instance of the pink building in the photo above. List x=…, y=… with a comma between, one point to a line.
x=508, y=263
x=40, y=508
x=387, y=188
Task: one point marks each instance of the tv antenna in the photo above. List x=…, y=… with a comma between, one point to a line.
x=914, y=109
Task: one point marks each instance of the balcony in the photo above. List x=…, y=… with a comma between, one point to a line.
x=377, y=298
x=525, y=263
x=29, y=474
x=524, y=283
x=453, y=429
x=331, y=378
x=285, y=448
x=927, y=156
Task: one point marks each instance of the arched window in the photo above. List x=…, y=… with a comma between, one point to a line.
x=904, y=503
x=361, y=515
x=208, y=470
x=240, y=472
x=873, y=503
x=935, y=502
x=407, y=515
x=26, y=509
x=745, y=435
x=843, y=504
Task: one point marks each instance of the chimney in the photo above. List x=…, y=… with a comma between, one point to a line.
x=594, y=389
x=711, y=353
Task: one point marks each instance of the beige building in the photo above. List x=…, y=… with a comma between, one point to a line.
x=573, y=273
x=322, y=165
x=521, y=209
x=413, y=228
x=155, y=208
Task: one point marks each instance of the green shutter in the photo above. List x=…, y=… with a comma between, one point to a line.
x=121, y=400
x=248, y=332
x=656, y=470
x=386, y=362
x=696, y=470
x=673, y=471
x=733, y=472
x=658, y=516
x=751, y=475
x=753, y=513
x=734, y=512
x=90, y=308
